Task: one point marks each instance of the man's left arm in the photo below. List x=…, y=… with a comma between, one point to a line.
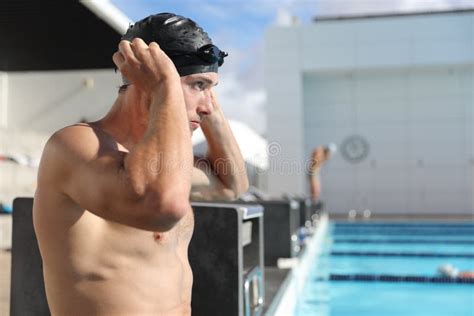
x=221, y=175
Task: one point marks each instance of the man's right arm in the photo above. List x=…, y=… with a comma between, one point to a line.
x=149, y=187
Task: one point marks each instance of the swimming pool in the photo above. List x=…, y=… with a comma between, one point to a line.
x=390, y=269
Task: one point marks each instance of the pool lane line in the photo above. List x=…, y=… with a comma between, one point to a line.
x=407, y=228
x=406, y=232
x=402, y=241
x=404, y=225
x=404, y=229
x=401, y=254
x=394, y=278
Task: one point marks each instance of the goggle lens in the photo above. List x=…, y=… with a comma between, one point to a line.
x=212, y=54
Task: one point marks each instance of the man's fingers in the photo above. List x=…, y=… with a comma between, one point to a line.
x=118, y=59
x=139, y=48
x=127, y=52
x=154, y=45
x=137, y=41
x=156, y=51
x=144, y=65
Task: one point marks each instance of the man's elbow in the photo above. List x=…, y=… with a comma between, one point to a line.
x=165, y=213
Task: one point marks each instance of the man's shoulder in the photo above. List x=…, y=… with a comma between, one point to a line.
x=73, y=144
x=79, y=139
x=77, y=131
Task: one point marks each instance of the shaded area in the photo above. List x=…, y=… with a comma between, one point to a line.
x=28, y=295
x=53, y=35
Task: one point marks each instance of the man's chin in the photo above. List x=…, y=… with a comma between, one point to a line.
x=193, y=127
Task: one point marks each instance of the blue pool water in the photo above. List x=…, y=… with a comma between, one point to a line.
x=402, y=250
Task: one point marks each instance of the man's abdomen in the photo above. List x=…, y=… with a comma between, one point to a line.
x=134, y=290
x=111, y=269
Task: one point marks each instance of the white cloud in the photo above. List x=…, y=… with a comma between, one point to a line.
x=344, y=7
x=242, y=103
x=216, y=11
x=240, y=90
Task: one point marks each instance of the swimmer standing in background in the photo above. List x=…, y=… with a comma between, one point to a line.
x=111, y=211
x=319, y=157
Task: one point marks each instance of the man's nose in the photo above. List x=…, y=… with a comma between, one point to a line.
x=205, y=106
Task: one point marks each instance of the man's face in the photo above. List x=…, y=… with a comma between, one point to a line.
x=197, y=96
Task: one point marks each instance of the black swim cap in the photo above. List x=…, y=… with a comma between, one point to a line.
x=185, y=42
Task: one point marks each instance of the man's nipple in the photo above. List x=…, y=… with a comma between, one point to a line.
x=157, y=236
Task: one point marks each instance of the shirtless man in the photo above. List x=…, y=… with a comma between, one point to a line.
x=318, y=157
x=111, y=212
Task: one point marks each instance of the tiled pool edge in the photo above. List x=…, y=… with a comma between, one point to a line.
x=285, y=301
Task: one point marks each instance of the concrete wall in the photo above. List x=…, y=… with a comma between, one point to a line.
x=418, y=124
x=3, y=99
x=47, y=101
x=403, y=83
x=35, y=104
x=18, y=180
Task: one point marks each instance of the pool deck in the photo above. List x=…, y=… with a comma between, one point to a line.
x=5, y=266
x=274, y=278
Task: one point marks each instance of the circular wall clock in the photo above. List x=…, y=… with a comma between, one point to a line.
x=355, y=148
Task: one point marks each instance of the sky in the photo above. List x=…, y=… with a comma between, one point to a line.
x=238, y=27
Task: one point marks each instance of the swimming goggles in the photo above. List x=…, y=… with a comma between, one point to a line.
x=209, y=53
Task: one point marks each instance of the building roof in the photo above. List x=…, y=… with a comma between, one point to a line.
x=58, y=35
x=388, y=15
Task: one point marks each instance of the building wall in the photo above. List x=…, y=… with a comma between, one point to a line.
x=3, y=99
x=18, y=180
x=35, y=104
x=418, y=125
x=46, y=101
x=405, y=84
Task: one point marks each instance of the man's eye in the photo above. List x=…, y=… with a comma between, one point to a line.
x=200, y=85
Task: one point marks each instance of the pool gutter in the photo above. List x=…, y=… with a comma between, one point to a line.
x=285, y=300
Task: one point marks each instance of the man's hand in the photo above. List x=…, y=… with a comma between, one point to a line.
x=146, y=66
x=225, y=166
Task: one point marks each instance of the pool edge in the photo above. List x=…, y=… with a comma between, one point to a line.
x=285, y=301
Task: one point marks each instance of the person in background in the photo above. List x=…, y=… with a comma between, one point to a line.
x=319, y=157
x=448, y=270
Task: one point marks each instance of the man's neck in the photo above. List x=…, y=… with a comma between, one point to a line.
x=126, y=121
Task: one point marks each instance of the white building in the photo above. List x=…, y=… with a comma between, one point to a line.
x=402, y=85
